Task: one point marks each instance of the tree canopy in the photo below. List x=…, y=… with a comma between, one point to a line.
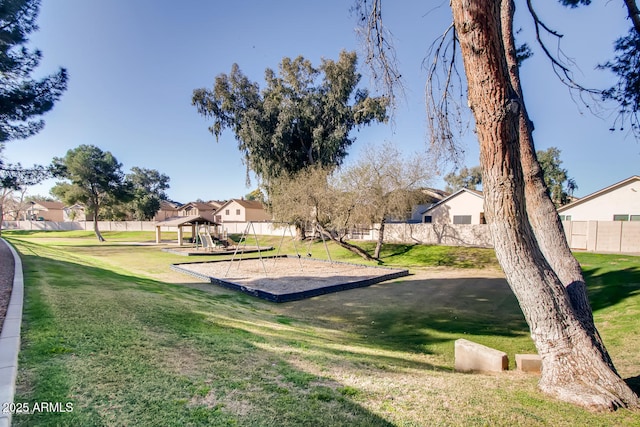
x=148, y=186
x=22, y=98
x=469, y=178
x=93, y=177
x=302, y=117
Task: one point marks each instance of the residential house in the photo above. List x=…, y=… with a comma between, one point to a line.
x=432, y=196
x=167, y=210
x=618, y=202
x=45, y=211
x=462, y=207
x=240, y=210
x=197, y=209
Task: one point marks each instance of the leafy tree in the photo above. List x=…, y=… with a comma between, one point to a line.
x=469, y=178
x=626, y=66
x=528, y=237
x=22, y=98
x=559, y=185
x=15, y=177
x=93, y=178
x=149, y=187
x=256, y=194
x=302, y=117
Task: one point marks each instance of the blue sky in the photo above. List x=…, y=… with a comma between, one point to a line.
x=133, y=65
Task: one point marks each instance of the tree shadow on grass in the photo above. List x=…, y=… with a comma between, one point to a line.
x=611, y=287
x=78, y=315
x=421, y=316
x=634, y=384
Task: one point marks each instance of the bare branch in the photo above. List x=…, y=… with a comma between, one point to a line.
x=561, y=67
x=444, y=93
x=380, y=53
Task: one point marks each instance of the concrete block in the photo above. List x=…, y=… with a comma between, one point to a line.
x=529, y=363
x=471, y=356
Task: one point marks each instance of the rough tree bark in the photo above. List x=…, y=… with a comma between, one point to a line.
x=575, y=368
x=380, y=241
x=541, y=211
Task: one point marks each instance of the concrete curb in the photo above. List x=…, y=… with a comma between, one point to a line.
x=10, y=340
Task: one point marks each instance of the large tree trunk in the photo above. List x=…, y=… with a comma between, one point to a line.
x=541, y=211
x=96, y=230
x=574, y=368
x=376, y=253
x=1, y=215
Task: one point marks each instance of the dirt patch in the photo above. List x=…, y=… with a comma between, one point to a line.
x=282, y=279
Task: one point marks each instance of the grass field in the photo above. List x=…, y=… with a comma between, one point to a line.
x=111, y=330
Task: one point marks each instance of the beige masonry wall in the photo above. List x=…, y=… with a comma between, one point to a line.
x=437, y=234
x=603, y=236
x=594, y=236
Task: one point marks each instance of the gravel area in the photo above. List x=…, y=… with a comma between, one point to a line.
x=286, y=275
x=6, y=279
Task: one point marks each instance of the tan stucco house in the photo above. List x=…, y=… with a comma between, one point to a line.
x=167, y=210
x=239, y=210
x=197, y=209
x=618, y=202
x=45, y=211
x=462, y=207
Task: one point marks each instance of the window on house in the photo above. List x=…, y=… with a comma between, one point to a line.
x=565, y=217
x=237, y=211
x=226, y=212
x=462, y=219
x=428, y=219
x=635, y=218
x=621, y=217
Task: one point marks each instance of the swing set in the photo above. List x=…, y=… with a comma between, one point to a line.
x=242, y=245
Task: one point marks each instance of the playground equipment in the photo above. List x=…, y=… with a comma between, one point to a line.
x=212, y=242
x=242, y=244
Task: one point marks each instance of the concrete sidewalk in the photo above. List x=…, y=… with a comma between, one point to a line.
x=10, y=337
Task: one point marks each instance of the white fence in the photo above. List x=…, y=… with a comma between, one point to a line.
x=594, y=236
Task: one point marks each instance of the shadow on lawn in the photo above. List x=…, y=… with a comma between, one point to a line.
x=611, y=287
x=119, y=322
x=419, y=315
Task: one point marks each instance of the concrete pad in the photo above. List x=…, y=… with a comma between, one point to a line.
x=471, y=356
x=529, y=363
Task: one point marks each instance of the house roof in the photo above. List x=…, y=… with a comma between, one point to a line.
x=176, y=221
x=247, y=204
x=49, y=205
x=599, y=193
x=451, y=196
x=167, y=205
x=201, y=206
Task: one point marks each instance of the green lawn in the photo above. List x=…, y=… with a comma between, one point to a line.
x=111, y=330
